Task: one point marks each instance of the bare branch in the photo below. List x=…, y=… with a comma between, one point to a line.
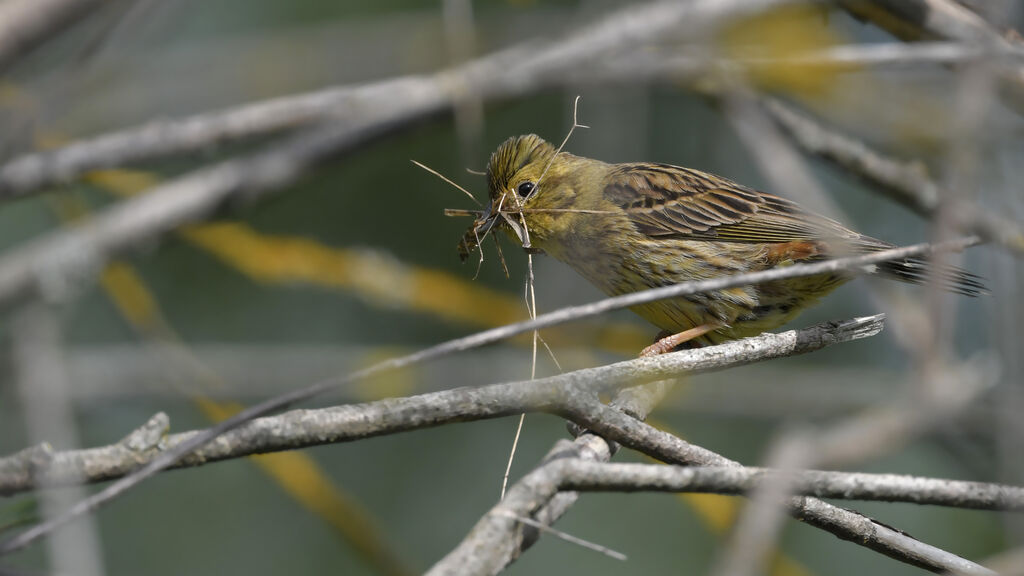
x=592, y=476
x=33, y=171
x=845, y=524
x=946, y=20
x=487, y=77
x=26, y=23
x=495, y=540
x=169, y=457
x=893, y=54
x=505, y=74
x=648, y=65
x=567, y=473
x=43, y=384
x=37, y=467
x=923, y=19
x=56, y=264
x=906, y=182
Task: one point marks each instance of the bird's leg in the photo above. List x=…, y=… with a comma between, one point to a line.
x=668, y=343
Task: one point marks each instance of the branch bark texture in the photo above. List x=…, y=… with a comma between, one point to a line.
x=565, y=394
x=589, y=476
x=497, y=539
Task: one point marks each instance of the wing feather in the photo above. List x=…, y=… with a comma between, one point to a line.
x=666, y=201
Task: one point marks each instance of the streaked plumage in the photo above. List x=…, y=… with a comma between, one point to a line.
x=628, y=227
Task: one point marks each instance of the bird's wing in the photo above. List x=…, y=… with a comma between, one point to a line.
x=670, y=201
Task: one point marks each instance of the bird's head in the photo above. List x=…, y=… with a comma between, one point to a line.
x=531, y=187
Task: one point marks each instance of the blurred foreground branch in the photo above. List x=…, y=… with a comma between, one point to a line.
x=511, y=72
x=59, y=262
x=24, y=24
x=43, y=384
x=945, y=20
x=907, y=182
x=350, y=115
x=508, y=73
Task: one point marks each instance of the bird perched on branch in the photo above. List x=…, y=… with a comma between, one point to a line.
x=629, y=227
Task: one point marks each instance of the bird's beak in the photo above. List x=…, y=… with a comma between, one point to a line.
x=477, y=231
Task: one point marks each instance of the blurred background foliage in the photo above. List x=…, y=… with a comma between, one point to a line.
x=356, y=263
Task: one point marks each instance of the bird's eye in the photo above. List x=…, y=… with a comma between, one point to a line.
x=524, y=189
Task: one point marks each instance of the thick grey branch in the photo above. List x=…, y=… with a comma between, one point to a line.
x=565, y=393
x=485, y=549
x=562, y=471
x=591, y=476
x=845, y=524
x=496, y=541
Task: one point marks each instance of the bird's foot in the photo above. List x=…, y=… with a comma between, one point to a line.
x=669, y=343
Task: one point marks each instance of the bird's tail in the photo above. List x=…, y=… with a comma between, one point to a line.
x=921, y=271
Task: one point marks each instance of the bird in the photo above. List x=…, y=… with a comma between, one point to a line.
x=633, y=226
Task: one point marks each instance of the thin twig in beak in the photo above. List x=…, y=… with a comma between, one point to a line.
x=442, y=177
x=461, y=212
x=501, y=256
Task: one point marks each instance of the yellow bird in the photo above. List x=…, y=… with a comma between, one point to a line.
x=629, y=227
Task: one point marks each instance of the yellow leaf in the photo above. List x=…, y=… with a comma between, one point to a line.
x=785, y=33
x=129, y=295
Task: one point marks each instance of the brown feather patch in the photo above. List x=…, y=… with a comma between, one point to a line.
x=794, y=251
